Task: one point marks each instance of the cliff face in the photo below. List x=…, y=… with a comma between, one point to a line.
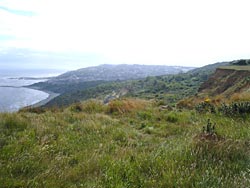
x=226, y=82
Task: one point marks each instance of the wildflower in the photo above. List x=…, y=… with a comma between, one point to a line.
x=207, y=100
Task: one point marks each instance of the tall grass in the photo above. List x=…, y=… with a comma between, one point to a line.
x=130, y=143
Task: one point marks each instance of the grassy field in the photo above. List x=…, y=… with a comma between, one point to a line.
x=129, y=143
x=234, y=67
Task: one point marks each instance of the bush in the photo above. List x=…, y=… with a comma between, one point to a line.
x=241, y=62
x=209, y=128
x=235, y=108
x=204, y=107
x=172, y=118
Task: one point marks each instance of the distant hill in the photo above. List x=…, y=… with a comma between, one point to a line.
x=92, y=76
x=209, y=69
x=169, y=89
x=118, y=72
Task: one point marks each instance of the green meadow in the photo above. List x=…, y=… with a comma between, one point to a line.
x=129, y=143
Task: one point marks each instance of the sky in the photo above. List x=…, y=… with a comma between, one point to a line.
x=70, y=34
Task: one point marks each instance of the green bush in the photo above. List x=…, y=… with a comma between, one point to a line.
x=235, y=108
x=172, y=118
x=209, y=128
x=204, y=107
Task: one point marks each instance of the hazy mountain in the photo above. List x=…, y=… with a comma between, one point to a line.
x=92, y=76
x=118, y=72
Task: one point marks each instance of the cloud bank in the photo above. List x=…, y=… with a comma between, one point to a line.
x=189, y=33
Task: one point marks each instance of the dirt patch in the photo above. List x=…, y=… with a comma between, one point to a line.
x=226, y=82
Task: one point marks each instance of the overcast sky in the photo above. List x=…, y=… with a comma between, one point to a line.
x=79, y=33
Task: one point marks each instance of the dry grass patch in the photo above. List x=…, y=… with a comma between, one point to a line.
x=121, y=106
x=241, y=96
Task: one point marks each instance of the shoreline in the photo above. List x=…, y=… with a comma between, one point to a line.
x=37, y=103
x=51, y=96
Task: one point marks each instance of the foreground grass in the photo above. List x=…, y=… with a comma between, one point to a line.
x=130, y=143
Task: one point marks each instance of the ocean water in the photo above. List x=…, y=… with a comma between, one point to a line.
x=12, y=99
x=14, y=96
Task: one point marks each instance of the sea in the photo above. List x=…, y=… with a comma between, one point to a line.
x=13, y=93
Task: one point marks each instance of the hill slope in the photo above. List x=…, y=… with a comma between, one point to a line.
x=169, y=88
x=118, y=72
x=92, y=76
x=129, y=142
x=227, y=81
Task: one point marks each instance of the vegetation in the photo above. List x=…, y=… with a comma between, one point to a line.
x=128, y=143
x=209, y=128
x=67, y=86
x=103, y=81
x=85, y=78
x=169, y=89
x=241, y=62
x=235, y=109
x=136, y=139
x=204, y=107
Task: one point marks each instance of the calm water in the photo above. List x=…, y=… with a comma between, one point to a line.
x=13, y=96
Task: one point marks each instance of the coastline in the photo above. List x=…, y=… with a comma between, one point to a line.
x=25, y=84
x=51, y=96
x=36, y=103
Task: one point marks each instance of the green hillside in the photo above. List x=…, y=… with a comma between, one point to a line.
x=85, y=78
x=131, y=135
x=167, y=89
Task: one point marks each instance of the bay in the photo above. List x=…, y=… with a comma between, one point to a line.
x=13, y=94
x=12, y=99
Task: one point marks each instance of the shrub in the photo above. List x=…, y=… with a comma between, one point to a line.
x=204, y=107
x=240, y=62
x=235, y=108
x=209, y=128
x=172, y=118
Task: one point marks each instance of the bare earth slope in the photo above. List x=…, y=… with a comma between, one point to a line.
x=227, y=81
